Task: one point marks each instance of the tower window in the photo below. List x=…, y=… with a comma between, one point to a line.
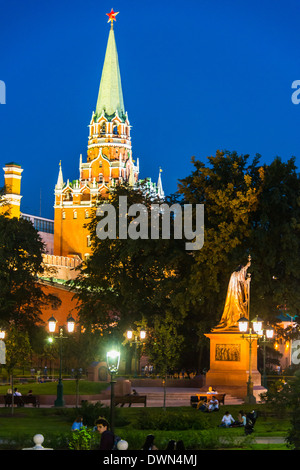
x=63, y=215
x=115, y=130
x=103, y=128
x=74, y=214
x=86, y=214
x=88, y=240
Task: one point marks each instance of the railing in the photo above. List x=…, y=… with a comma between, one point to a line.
x=61, y=261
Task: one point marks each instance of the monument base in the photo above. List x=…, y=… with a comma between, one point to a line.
x=230, y=362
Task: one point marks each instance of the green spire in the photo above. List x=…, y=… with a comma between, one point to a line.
x=110, y=97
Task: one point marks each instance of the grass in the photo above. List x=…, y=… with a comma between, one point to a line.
x=28, y=421
x=32, y=421
x=49, y=388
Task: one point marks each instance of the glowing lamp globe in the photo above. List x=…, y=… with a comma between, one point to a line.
x=243, y=324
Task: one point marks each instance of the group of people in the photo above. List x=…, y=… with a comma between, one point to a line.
x=172, y=444
x=17, y=393
x=109, y=441
x=211, y=405
x=229, y=421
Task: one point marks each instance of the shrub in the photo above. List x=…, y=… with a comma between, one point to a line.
x=90, y=412
x=170, y=420
x=84, y=439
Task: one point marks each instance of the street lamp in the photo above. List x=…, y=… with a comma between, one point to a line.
x=113, y=361
x=133, y=338
x=250, y=334
x=267, y=336
x=2, y=348
x=59, y=402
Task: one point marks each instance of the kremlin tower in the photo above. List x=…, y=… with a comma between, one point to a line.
x=109, y=162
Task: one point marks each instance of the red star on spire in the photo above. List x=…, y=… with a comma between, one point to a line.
x=112, y=16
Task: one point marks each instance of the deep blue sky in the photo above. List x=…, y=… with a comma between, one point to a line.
x=197, y=76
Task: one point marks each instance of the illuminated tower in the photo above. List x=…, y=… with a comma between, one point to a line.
x=12, y=196
x=109, y=161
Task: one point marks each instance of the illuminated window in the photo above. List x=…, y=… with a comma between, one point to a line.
x=63, y=215
x=75, y=215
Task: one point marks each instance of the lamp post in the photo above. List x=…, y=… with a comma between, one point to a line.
x=250, y=334
x=266, y=338
x=59, y=402
x=2, y=348
x=113, y=361
x=133, y=338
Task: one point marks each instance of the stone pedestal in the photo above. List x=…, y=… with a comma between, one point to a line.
x=229, y=360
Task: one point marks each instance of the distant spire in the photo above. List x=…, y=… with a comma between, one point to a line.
x=60, y=180
x=131, y=176
x=110, y=97
x=160, y=191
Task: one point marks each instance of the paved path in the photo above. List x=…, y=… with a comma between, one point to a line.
x=175, y=396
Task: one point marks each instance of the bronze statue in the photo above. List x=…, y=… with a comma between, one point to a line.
x=237, y=299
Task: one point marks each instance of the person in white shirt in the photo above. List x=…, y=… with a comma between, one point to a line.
x=17, y=393
x=227, y=420
x=213, y=404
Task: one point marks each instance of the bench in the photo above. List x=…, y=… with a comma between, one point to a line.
x=130, y=399
x=205, y=397
x=21, y=401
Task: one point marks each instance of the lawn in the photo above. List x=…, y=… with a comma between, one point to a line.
x=49, y=388
x=133, y=424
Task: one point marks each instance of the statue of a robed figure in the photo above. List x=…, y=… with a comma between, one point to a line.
x=237, y=298
x=231, y=357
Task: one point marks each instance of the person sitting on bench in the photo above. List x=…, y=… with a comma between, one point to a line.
x=213, y=404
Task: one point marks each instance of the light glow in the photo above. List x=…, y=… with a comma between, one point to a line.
x=142, y=334
x=71, y=324
x=257, y=325
x=52, y=324
x=243, y=324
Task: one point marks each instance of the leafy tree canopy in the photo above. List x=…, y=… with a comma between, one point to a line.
x=21, y=295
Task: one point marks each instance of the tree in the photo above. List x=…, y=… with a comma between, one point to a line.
x=164, y=346
x=250, y=208
x=274, y=242
x=229, y=188
x=18, y=349
x=284, y=396
x=21, y=295
x=126, y=279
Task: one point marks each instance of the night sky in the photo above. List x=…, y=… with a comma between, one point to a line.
x=197, y=76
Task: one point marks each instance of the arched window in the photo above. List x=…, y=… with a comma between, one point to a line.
x=115, y=129
x=74, y=214
x=63, y=215
x=103, y=128
x=86, y=214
